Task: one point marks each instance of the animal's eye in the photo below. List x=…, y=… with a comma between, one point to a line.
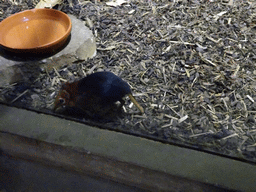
x=62, y=101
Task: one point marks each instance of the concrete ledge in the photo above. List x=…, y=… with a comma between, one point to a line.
x=95, y=165
x=122, y=157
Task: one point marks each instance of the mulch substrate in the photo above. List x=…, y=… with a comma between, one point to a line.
x=190, y=64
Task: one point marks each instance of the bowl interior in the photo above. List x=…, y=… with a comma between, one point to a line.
x=34, y=29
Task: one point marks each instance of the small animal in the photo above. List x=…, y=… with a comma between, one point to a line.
x=95, y=94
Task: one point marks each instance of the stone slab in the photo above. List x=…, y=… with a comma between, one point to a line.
x=81, y=46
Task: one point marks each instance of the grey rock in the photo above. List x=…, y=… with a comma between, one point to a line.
x=81, y=46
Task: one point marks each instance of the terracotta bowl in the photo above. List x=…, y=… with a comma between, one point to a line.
x=35, y=31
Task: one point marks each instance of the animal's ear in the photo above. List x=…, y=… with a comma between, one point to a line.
x=65, y=86
x=65, y=94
